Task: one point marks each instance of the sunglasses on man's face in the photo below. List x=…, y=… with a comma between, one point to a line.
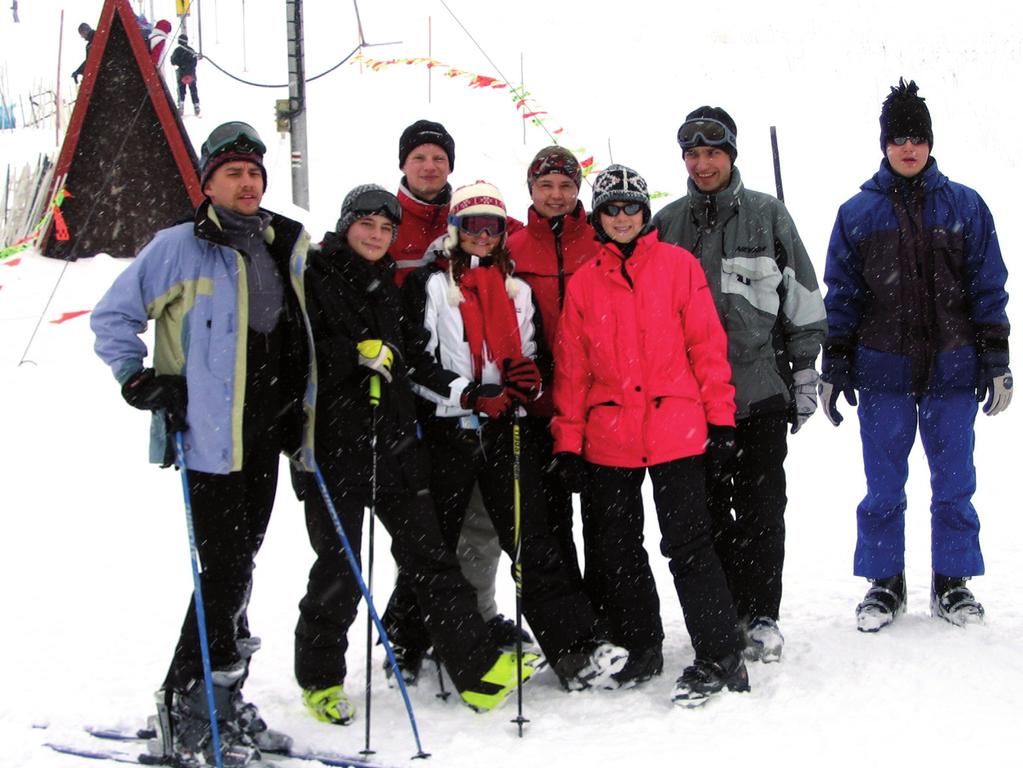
x=916, y=141
x=629, y=209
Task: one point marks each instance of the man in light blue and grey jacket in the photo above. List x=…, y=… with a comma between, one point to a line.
x=233, y=371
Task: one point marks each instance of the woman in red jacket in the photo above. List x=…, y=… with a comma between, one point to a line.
x=642, y=384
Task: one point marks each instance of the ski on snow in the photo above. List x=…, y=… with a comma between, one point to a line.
x=112, y=754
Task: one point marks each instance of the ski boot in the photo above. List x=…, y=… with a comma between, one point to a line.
x=884, y=601
x=410, y=663
x=501, y=679
x=591, y=666
x=505, y=634
x=329, y=705
x=706, y=679
x=952, y=601
x=764, y=641
x=643, y=664
x=184, y=736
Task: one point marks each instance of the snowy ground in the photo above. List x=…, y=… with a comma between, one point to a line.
x=94, y=567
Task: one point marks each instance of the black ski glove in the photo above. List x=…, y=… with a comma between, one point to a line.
x=570, y=469
x=147, y=391
x=720, y=450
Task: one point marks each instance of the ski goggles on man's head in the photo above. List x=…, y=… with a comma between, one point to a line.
x=916, y=141
x=629, y=209
x=477, y=224
x=380, y=201
x=704, y=131
x=235, y=136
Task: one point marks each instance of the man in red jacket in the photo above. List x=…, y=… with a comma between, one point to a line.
x=426, y=157
x=555, y=242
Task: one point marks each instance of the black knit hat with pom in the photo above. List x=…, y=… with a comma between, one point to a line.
x=905, y=114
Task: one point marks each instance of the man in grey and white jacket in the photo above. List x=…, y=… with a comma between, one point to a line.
x=767, y=296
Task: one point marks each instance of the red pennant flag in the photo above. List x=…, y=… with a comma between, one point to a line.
x=70, y=316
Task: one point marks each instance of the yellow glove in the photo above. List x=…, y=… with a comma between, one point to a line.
x=376, y=356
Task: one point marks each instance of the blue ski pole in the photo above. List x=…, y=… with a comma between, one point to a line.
x=350, y=555
x=200, y=611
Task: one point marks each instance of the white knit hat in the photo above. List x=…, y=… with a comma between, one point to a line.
x=481, y=198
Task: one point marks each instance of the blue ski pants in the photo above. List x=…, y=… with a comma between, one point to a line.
x=888, y=427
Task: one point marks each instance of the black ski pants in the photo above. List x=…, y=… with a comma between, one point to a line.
x=747, y=509
x=332, y=598
x=557, y=498
x=230, y=513
x=617, y=568
x=558, y=611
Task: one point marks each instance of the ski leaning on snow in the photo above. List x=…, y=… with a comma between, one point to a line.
x=140, y=738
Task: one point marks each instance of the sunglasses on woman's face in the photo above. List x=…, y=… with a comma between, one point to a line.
x=629, y=209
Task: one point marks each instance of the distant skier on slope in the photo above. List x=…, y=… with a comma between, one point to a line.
x=917, y=323
x=87, y=33
x=184, y=60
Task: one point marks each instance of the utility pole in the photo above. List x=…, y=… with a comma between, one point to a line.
x=296, y=107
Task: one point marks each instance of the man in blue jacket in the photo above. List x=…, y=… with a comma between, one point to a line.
x=232, y=371
x=917, y=323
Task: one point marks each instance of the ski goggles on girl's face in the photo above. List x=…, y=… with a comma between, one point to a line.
x=629, y=209
x=377, y=201
x=704, y=131
x=477, y=224
x=916, y=141
x=236, y=136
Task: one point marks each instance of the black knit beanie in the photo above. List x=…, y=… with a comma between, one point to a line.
x=425, y=132
x=905, y=114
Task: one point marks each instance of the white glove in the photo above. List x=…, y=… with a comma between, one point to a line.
x=999, y=394
x=804, y=391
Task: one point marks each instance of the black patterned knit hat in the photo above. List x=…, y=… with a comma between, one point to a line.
x=617, y=183
x=905, y=114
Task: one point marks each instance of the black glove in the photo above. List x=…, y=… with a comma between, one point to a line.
x=490, y=400
x=147, y=391
x=570, y=469
x=522, y=378
x=719, y=450
x=75, y=76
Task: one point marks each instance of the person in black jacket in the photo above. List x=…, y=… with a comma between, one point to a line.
x=368, y=455
x=87, y=33
x=184, y=59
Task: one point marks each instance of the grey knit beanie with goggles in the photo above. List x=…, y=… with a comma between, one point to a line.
x=229, y=142
x=709, y=127
x=367, y=200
